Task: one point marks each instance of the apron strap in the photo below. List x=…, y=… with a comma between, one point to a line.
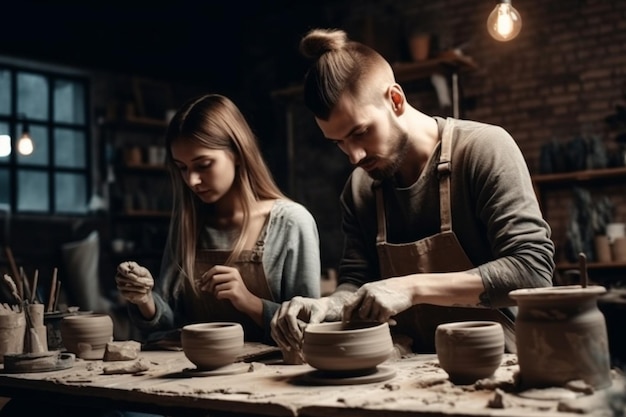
x=381, y=235
x=444, y=168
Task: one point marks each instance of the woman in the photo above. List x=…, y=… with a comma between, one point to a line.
x=237, y=247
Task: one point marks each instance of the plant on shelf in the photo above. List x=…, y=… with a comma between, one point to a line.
x=617, y=122
x=588, y=219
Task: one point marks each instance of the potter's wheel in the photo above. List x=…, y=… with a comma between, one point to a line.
x=378, y=374
x=232, y=369
x=38, y=362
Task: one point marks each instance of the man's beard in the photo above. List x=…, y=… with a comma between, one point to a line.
x=396, y=158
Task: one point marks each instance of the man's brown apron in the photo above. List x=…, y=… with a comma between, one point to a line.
x=438, y=253
x=205, y=307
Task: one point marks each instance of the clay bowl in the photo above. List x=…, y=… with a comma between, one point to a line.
x=469, y=350
x=87, y=335
x=212, y=345
x=347, y=348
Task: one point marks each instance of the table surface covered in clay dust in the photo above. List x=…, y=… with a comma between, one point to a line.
x=267, y=387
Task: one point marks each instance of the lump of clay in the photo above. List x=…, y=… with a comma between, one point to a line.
x=122, y=351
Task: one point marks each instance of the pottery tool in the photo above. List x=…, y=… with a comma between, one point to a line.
x=33, y=295
x=26, y=294
x=582, y=262
x=55, y=306
x=53, y=288
x=14, y=271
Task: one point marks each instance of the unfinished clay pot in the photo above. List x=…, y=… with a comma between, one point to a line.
x=469, y=350
x=561, y=336
x=12, y=328
x=347, y=347
x=212, y=345
x=87, y=335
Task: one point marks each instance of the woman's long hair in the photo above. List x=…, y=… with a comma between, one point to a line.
x=215, y=122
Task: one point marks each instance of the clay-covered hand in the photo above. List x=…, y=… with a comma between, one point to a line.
x=293, y=316
x=134, y=283
x=225, y=283
x=379, y=301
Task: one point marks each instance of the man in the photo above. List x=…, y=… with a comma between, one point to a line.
x=440, y=216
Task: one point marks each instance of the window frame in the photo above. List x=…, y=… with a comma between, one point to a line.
x=15, y=122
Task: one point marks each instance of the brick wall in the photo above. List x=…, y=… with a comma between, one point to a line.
x=558, y=80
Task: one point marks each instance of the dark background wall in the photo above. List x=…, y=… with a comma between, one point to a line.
x=558, y=80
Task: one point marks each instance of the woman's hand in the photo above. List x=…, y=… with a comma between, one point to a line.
x=134, y=283
x=225, y=283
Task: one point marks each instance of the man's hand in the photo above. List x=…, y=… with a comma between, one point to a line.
x=379, y=301
x=293, y=316
x=134, y=283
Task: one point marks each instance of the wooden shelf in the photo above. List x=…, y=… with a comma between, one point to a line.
x=144, y=214
x=577, y=176
x=145, y=168
x=447, y=62
x=591, y=265
x=135, y=122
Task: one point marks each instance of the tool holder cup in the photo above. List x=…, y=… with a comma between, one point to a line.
x=35, y=337
x=12, y=330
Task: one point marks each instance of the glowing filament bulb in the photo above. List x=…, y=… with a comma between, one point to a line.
x=504, y=22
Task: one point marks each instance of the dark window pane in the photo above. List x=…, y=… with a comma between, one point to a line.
x=32, y=96
x=69, y=148
x=5, y=91
x=71, y=193
x=39, y=136
x=32, y=191
x=5, y=142
x=69, y=102
x=5, y=186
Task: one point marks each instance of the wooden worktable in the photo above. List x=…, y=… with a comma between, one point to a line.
x=270, y=388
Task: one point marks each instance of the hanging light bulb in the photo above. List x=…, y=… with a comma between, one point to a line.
x=25, y=143
x=504, y=22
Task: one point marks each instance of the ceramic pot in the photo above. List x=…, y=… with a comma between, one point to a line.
x=561, y=336
x=349, y=348
x=469, y=350
x=212, y=345
x=12, y=330
x=87, y=335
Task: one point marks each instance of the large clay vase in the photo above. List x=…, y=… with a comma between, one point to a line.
x=349, y=348
x=561, y=336
x=87, y=335
x=469, y=350
x=210, y=346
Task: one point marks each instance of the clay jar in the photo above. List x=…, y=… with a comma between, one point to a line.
x=12, y=328
x=350, y=348
x=212, y=345
x=469, y=350
x=561, y=336
x=87, y=335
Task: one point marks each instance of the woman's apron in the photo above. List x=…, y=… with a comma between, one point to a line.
x=204, y=307
x=438, y=253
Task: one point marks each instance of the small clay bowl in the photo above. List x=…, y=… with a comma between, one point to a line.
x=212, y=345
x=87, y=335
x=349, y=348
x=469, y=350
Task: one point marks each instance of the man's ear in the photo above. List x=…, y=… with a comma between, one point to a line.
x=396, y=95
